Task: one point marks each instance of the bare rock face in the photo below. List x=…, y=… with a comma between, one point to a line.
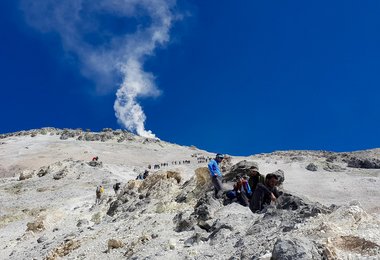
x=173, y=214
x=312, y=167
x=206, y=207
x=365, y=163
x=68, y=133
x=115, y=205
x=241, y=168
x=137, y=194
x=152, y=180
x=106, y=136
x=330, y=167
x=295, y=248
x=202, y=175
x=289, y=202
x=92, y=137
x=183, y=222
x=194, y=188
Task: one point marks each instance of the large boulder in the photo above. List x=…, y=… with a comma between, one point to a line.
x=43, y=171
x=202, y=176
x=305, y=209
x=114, y=243
x=61, y=174
x=365, y=163
x=312, y=167
x=25, y=175
x=183, y=222
x=64, y=249
x=36, y=226
x=294, y=248
x=196, y=187
x=95, y=164
x=114, y=207
x=241, y=168
x=206, y=207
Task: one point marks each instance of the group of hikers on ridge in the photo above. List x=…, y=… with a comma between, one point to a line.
x=254, y=191
x=251, y=189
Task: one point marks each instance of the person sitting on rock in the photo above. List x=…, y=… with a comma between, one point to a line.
x=243, y=190
x=264, y=193
x=216, y=175
x=255, y=178
x=99, y=192
x=95, y=159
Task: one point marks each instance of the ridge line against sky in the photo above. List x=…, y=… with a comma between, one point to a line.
x=233, y=78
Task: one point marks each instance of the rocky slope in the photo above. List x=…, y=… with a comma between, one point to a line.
x=329, y=209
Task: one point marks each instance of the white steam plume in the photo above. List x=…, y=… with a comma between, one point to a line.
x=108, y=55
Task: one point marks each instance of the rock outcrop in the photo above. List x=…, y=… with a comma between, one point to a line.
x=241, y=168
x=365, y=163
x=312, y=167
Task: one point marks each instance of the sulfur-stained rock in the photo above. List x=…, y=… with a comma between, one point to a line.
x=114, y=244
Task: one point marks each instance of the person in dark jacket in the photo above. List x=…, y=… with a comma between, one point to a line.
x=264, y=193
x=116, y=187
x=146, y=174
x=255, y=178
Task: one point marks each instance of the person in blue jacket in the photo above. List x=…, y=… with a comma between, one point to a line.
x=216, y=175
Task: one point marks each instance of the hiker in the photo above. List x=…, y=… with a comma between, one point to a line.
x=116, y=187
x=216, y=175
x=264, y=193
x=140, y=176
x=243, y=190
x=255, y=178
x=95, y=159
x=146, y=174
x=99, y=192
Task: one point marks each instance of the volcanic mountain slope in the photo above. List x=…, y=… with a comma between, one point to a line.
x=48, y=206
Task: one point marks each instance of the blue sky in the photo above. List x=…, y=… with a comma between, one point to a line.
x=235, y=77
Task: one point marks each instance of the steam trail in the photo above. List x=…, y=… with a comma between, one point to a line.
x=106, y=55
